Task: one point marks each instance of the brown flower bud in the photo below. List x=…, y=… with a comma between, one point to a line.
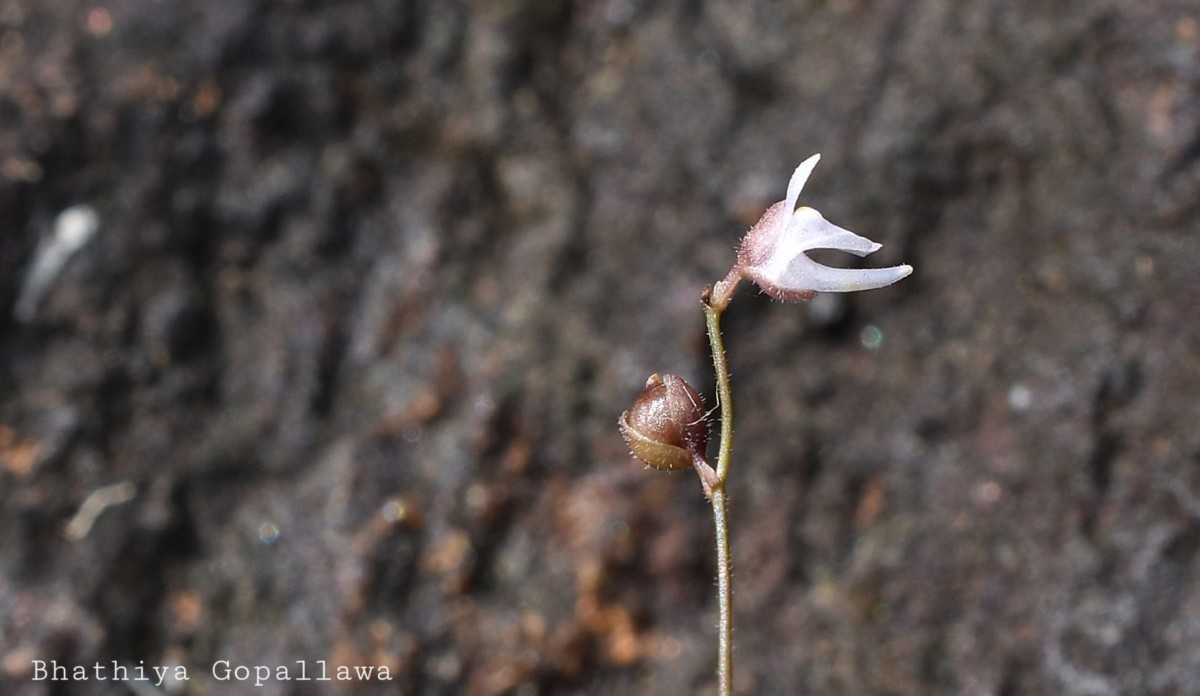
x=667, y=426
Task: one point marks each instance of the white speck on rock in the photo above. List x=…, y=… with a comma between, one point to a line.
x=73, y=228
x=1020, y=398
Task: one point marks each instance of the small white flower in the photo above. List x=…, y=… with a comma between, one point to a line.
x=773, y=251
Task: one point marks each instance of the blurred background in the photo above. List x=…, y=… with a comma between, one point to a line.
x=316, y=320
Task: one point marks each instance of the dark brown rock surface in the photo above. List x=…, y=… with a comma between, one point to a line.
x=340, y=369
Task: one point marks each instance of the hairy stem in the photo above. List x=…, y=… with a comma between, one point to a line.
x=724, y=595
x=717, y=495
x=713, y=320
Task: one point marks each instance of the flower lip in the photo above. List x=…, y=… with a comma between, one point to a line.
x=772, y=254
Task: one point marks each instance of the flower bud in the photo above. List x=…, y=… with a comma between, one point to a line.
x=667, y=426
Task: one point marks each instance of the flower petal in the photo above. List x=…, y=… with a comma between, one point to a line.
x=810, y=230
x=805, y=274
x=799, y=178
x=773, y=254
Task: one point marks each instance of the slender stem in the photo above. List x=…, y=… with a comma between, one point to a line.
x=724, y=595
x=724, y=400
x=712, y=317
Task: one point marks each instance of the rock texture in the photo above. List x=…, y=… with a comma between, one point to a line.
x=337, y=376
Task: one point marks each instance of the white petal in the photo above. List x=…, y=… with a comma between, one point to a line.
x=799, y=177
x=811, y=230
x=805, y=274
x=773, y=252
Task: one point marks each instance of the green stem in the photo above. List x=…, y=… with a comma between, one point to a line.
x=718, y=497
x=724, y=400
x=724, y=595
